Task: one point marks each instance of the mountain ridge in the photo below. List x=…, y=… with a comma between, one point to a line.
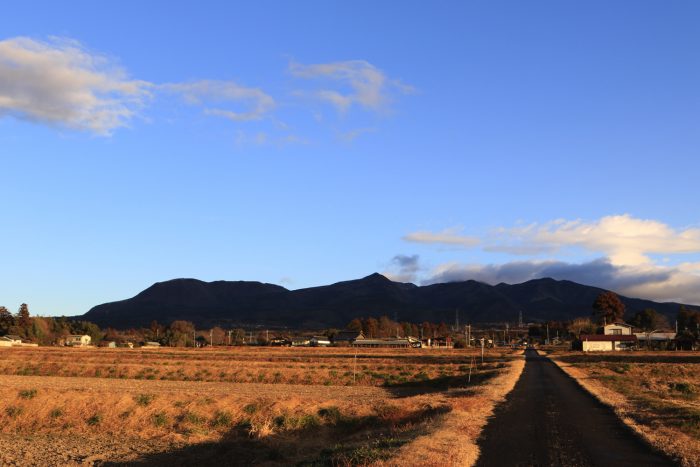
x=231, y=303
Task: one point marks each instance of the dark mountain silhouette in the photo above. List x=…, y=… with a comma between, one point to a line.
x=247, y=303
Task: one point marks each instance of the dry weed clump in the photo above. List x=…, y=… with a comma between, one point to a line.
x=655, y=394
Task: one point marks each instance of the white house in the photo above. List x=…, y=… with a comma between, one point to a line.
x=607, y=343
x=617, y=329
x=78, y=340
x=9, y=340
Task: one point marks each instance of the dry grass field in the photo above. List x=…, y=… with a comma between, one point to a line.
x=655, y=393
x=269, y=406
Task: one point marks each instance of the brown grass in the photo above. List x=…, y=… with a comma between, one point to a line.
x=305, y=407
x=657, y=394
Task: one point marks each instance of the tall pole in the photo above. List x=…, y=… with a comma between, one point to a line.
x=547, y=333
x=483, y=340
x=211, y=338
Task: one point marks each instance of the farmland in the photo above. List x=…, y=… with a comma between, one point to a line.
x=273, y=406
x=655, y=393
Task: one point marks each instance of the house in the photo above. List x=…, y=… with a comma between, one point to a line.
x=443, y=342
x=301, y=342
x=9, y=340
x=347, y=337
x=605, y=343
x=657, y=339
x=280, y=342
x=387, y=343
x=617, y=329
x=78, y=340
x=319, y=341
x=109, y=344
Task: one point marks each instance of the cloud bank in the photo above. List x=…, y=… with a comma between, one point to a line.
x=61, y=83
x=627, y=265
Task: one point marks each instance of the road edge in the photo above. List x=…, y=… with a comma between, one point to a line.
x=455, y=442
x=664, y=443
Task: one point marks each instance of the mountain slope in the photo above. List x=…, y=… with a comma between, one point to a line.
x=240, y=303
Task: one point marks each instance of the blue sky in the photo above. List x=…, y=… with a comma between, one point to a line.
x=303, y=143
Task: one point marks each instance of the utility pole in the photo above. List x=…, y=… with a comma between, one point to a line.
x=483, y=341
x=229, y=337
x=211, y=338
x=547, y=333
x=267, y=335
x=194, y=339
x=469, y=335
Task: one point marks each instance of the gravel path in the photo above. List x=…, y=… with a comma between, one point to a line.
x=548, y=420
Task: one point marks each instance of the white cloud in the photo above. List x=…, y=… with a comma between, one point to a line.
x=212, y=94
x=61, y=83
x=626, y=243
x=446, y=237
x=362, y=83
x=625, y=239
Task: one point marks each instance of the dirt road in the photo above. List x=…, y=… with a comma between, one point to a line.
x=548, y=420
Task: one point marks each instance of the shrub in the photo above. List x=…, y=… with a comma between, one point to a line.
x=193, y=418
x=684, y=388
x=27, y=393
x=221, y=419
x=56, y=413
x=94, y=420
x=330, y=414
x=250, y=409
x=308, y=421
x=159, y=419
x=13, y=411
x=144, y=399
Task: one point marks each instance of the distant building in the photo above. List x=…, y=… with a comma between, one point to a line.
x=657, y=339
x=605, y=343
x=151, y=344
x=280, y=342
x=319, y=341
x=301, y=341
x=617, y=329
x=78, y=340
x=9, y=340
x=347, y=337
x=611, y=337
x=388, y=343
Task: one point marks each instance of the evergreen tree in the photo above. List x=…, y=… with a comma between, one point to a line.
x=6, y=320
x=23, y=319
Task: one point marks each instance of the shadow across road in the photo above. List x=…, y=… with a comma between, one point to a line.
x=549, y=420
